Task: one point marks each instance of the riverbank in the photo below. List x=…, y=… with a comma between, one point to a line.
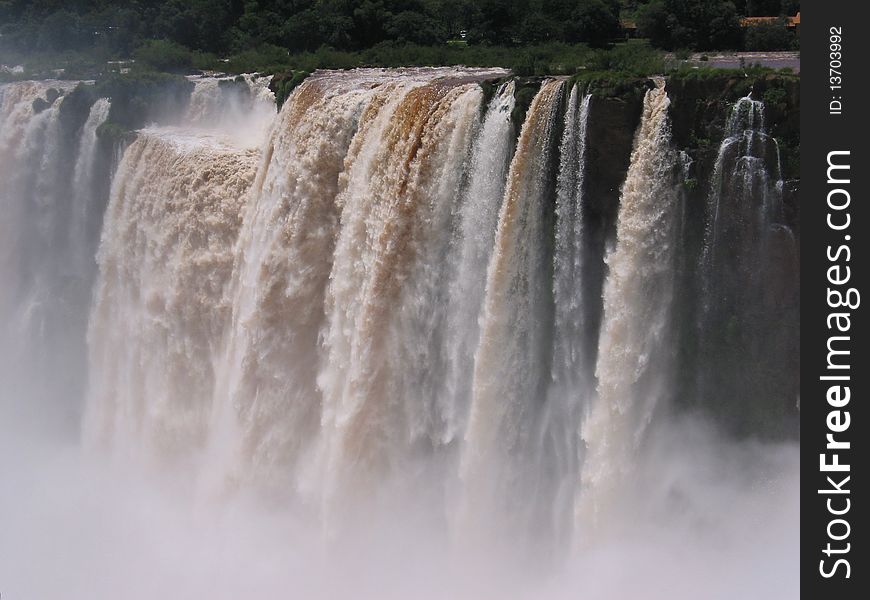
x=634, y=57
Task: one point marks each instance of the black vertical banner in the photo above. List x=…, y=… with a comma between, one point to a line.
x=834, y=372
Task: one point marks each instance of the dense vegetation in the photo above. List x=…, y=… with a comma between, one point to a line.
x=236, y=35
x=230, y=26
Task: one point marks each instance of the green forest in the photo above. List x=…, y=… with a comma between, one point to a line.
x=238, y=35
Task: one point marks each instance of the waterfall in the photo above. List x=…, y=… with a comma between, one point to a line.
x=396, y=195
x=86, y=207
x=165, y=256
x=572, y=379
x=242, y=107
x=634, y=350
x=42, y=297
x=477, y=220
x=743, y=203
x=747, y=273
x=31, y=172
x=511, y=364
x=569, y=360
x=383, y=299
x=269, y=405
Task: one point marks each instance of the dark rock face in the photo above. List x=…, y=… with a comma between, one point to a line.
x=611, y=127
x=700, y=107
x=144, y=98
x=739, y=356
x=39, y=105
x=739, y=361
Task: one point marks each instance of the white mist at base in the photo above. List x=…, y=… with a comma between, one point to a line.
x=708, y=518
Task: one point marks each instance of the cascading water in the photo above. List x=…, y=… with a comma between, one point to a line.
x=744, y=200
x=424, y=296
x=381, y=300
x=269, y=406
x=44, y=249
x=242, y=107
x=159, y=309
x=569, y=255
x=30, y=138
x=634, y=351
x=475, y=233
x=572, y=378
x=402, y=177
x=86, y=210
x=511, y=364
x=747, y=266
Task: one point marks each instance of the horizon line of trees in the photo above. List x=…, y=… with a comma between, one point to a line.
x=223, y=27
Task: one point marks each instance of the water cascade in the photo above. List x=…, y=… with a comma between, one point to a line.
x=634, y=357
x=159, y=308
x=284, y=258
x=242, y=107
x=744, y=200
x=477, y=219
x=747, y=269
x=511, y=366
x=86, y=209
x=572, y=377
x=379, y=296
x=48, y=170
x=396, y=198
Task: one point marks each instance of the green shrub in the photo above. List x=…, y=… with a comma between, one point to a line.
x=698, y=24
x=612, y=84
x=163, y=55
x=635, y=59
x=143, y=96
x=113, y=133
x=256, y=59
x=283, y=84
x=768, y=36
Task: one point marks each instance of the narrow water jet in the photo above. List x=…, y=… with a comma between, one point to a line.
x=634, y=363
x=511, y=367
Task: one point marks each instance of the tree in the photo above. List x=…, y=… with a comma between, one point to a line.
x=595, y=22
x=789, y=7
x=768, y=36
x=370, y=20
x=416, y=28
x=61, y=31
x=197, y=24
x=257, y=25
x=696, y=24
x=163, y=55
x=763, y=8
x=454, y=16
x=302, y=31
x=537, y=27
x=498, y=22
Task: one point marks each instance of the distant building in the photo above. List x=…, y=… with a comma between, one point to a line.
x=629, y=28
x=789, y=22
x=119, y=66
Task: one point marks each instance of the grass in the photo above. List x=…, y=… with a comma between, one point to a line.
x=634, y=56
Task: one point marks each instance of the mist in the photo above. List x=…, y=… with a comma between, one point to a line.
x=704, y=516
